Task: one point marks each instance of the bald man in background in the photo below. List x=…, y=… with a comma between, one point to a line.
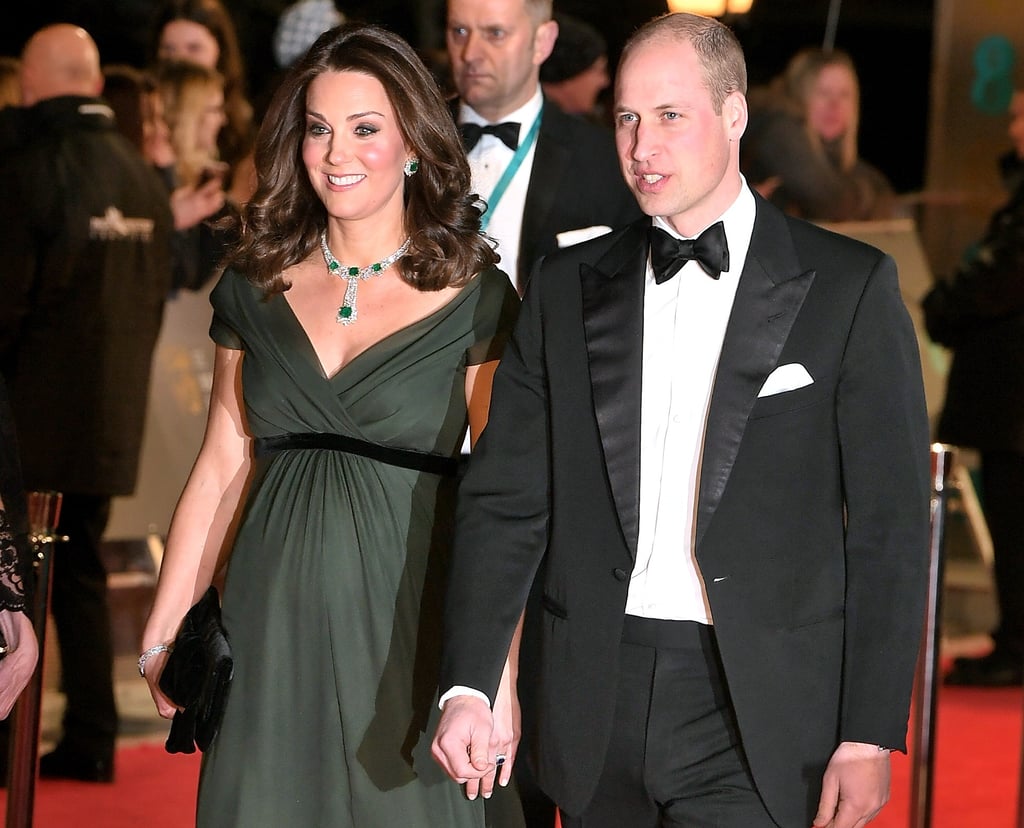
x=85, y=227
x=557, y=181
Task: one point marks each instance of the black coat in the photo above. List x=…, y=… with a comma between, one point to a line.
x=85, y=225
x=979, y=314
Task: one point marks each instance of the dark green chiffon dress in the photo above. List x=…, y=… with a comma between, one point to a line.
x=332, y=600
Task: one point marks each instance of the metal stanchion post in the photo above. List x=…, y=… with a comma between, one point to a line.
x=925, y=693
x=43, y=515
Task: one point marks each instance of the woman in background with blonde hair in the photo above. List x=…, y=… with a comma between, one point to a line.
x=203, y=32
x=800, y=148
x=192, y=97
x=189, y=102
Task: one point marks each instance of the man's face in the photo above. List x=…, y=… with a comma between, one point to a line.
x=678, y=156
x=496, y=49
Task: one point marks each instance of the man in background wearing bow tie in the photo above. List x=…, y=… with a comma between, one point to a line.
x=549, y=179
x=718, y=450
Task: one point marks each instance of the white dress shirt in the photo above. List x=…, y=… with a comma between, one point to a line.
x=684, y=325
x=487, y=161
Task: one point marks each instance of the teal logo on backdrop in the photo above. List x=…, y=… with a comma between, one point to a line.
x=993, y=75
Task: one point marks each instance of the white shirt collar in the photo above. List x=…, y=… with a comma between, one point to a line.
x=739, y=226
x=524, y=115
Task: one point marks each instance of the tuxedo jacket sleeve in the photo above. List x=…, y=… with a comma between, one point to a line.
x=812, y=517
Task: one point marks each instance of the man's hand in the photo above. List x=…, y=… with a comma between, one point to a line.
x=462, y=744
x=855, y=786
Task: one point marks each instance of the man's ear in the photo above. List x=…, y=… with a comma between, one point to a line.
x=544, y=41
x=734, y=113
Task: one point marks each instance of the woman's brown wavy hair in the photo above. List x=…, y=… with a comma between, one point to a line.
x=281, y=225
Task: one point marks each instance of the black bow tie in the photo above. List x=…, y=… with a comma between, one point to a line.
x=507, y=133
x=668, y=253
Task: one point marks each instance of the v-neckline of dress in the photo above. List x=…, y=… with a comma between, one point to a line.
x=448, y=306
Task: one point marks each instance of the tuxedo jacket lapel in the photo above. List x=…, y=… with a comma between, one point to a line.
x=550, y=160
x=768, y=298
x=612, y=296
x=770, y=293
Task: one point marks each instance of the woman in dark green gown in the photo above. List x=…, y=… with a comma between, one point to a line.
x=341, y=398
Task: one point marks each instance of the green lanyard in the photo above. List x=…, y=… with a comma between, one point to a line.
x=510, y=171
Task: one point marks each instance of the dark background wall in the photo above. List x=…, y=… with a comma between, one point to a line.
x=890, y=42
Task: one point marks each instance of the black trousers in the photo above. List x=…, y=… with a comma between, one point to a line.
x=1002, y=480
x=538, y=809
x=78, y=602
x=675, y=757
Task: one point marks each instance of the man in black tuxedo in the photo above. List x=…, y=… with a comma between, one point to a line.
x=710, y=429
x=563, y=183
x=85, y=227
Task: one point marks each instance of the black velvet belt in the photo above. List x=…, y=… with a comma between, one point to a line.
x=423, y=461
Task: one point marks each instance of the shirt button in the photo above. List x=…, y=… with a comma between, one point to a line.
x=620, y=574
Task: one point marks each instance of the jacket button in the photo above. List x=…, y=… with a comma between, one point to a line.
x=620, y=574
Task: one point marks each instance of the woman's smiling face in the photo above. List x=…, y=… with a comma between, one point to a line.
x=353, y=149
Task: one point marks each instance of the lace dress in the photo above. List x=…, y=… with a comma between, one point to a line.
x=15, y=562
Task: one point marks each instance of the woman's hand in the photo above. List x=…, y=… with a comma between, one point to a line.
x=153, y=668
x=192, y=205
x=17, y=667
x=507, y=728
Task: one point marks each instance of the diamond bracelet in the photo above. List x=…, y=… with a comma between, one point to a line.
x=152, y=651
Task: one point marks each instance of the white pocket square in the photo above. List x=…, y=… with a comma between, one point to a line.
x=571, y=237
x=785, y=378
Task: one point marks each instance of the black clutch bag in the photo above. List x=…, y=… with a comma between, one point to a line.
x=197, y=676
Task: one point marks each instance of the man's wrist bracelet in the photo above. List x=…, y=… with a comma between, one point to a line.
x=152, y=651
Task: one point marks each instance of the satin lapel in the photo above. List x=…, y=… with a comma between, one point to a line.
x=613, y=291
x=771, y=291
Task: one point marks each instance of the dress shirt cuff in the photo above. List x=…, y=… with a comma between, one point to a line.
x=459, y=690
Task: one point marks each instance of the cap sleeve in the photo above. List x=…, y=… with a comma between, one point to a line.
x=496, y=314
x=225, y=298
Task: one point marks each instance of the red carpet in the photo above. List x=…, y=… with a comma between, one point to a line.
x=977, y=768
x=153, y=789
x=977, y=762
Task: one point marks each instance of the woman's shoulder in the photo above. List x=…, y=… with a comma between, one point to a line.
x=494, y=288
x=493, y=298
x=232, y=288
x=495, y=279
